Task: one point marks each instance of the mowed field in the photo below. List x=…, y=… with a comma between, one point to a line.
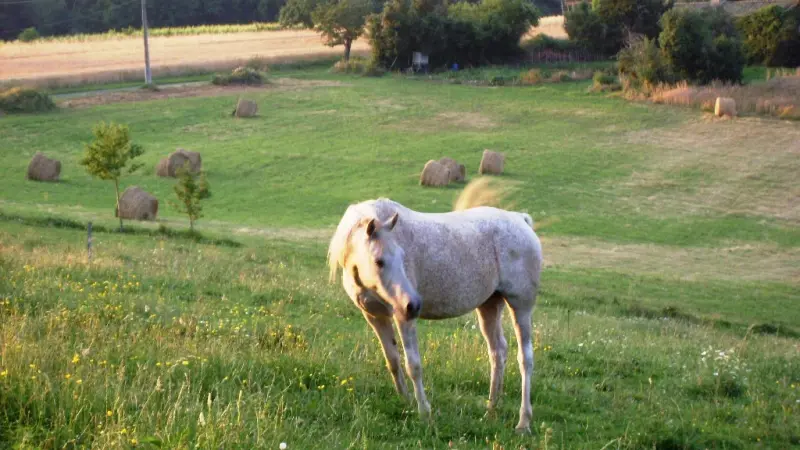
x=667, y=316
x=62, y=63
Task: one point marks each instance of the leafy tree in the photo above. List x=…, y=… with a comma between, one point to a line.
x=701, y=46
x=190, y=190
x=341, y=22
x=110, y=155
x=298, y=12
x=772, y=36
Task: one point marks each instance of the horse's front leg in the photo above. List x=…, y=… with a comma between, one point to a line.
x=385, y=332
x=408, y=334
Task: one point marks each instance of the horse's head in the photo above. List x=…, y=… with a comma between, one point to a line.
x=375, y=263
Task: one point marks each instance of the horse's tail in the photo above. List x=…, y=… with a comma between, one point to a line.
x=484, y=191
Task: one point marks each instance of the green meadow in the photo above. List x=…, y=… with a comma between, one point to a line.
x=668, y=315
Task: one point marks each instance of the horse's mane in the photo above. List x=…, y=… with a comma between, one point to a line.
x=355, y=215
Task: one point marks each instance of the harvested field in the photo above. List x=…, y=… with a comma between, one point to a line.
x=52, y=64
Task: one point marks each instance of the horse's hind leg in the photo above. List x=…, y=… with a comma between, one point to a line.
x=522, y=310
x=382, y=326
x=490, y=318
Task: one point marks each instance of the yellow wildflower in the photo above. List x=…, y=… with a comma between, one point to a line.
x=4, y=373
x=109, y=413
x=67, y=376
x=76, y=359
x=79, y=381
x=185, y=362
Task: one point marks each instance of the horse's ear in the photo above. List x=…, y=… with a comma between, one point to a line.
x=371, y=227
x=392, y=221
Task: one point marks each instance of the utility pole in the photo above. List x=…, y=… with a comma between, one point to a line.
x=148, y=79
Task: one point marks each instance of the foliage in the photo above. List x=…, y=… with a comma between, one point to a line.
x=298, y=12
x=190, y=190
x=771, y=36
x=76, y=17
x=701, y=47
x=469, y=34
x=341, y=22
x=638, y=17
x=111, y=154
x=29, y=35
x=359, y=66
x=604, y=82
x=543, y=42
x=605, y=25
x=642, y=66
x=241, y=75
x=23, y=100
x=585, y=27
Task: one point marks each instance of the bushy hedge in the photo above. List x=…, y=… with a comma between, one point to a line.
x=462, y=33
x=694, y=46
x=702, y=46
x=604, y=25
x=772, y=36
x=21, y=100
x=240, y=75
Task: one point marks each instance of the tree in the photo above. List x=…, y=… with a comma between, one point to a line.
x=190, y=190
x=298, y=12
x=110, y=155
x=341, y=22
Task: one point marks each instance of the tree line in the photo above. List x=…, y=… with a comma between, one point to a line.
x=62, y=17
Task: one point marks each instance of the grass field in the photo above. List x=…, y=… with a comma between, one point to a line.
x=59, y=63
x=667, y=319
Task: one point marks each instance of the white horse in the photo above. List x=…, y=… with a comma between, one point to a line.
x=399, y=264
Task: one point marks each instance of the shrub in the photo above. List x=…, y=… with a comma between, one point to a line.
x=700, y=46
x=110, y=155
x=190, y=190
x=21, y=100
x=585, y=27
x=257, y=63
x=543, y=42
x=771, y=36
x=29, y=35
x=642, y=66
x=638, y=17
x=359, y=66
x=463, y=33
x=240, y=75
x=603, y=82
x=604, y=25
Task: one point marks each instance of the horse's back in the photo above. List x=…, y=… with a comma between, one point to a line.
x=461, y=258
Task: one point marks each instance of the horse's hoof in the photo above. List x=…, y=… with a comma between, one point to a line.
x=523, y=429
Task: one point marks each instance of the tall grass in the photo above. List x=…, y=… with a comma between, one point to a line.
x=778, y=96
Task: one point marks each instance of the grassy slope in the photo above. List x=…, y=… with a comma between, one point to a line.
x=603, y=375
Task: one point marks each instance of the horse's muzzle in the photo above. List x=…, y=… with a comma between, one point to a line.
x=413, y=308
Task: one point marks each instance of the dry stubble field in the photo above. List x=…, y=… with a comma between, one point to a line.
x=71, y=63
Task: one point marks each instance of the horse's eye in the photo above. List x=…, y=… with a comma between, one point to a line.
x=379, y=263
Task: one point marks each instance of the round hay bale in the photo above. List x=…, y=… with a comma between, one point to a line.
x=458, y=172
x=491, y=163
x=136, y=204
x=42, y=168
x=434, y=174
x=168, y=167
x=194, y=159
x=725, y=106
x=245, y=108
